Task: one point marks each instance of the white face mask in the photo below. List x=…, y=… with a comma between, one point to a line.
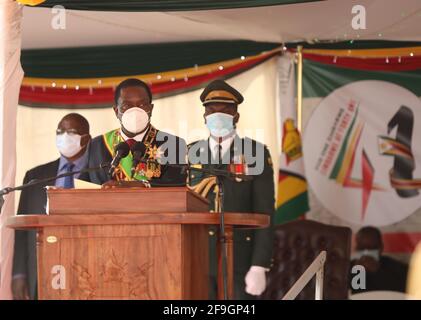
x=135, y=120
x=374, y=253
x=68, y=144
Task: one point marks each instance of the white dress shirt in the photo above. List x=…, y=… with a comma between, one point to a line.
x=225, y=145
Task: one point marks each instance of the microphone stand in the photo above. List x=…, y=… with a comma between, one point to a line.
x=36, y=182
x=222, y=238
x=220, y=175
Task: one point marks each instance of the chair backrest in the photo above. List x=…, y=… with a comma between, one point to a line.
x=297, y=244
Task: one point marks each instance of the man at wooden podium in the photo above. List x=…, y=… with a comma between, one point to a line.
x=225, y=150
x=133, y=108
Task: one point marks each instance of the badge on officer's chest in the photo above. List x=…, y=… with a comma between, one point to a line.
x=238, y=166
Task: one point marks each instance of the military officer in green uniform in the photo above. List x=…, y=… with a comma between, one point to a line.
x=225, y=150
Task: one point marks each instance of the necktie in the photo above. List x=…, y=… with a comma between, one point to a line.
x=68, y=181
x=218, y=151
x=130, y=142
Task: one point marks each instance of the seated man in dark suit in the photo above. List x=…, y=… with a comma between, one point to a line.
x=72, y=140
x=133, y=108
x=382, y=273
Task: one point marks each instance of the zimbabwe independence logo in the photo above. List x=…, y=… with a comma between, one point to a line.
x=363, y=152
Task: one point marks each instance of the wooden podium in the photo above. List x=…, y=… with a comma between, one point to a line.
x=128, y=243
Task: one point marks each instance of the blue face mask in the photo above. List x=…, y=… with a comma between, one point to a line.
x=220, y=124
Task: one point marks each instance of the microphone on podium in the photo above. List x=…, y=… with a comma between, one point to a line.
x=121, y=151
x=138, y=150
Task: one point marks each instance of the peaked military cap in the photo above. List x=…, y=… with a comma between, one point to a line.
x=220, y=91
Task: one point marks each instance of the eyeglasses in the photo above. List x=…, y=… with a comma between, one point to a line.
x=69, y=131
x=124, y=105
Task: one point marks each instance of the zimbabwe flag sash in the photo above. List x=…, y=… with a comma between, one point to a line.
x=123, y=171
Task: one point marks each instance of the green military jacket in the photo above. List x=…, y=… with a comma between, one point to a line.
x=251, y=246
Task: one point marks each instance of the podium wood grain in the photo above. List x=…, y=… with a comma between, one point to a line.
x=124, y=262
x=130, y=252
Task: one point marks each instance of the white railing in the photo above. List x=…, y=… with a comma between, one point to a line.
x=316, y=268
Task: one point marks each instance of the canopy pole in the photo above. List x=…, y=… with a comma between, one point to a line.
x=11, y=75
x=299, y=87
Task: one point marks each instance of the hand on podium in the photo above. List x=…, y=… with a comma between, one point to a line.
x=110, y=184
x=125, y=184
x=256, y=280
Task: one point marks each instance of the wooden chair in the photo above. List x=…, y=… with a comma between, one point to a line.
x=296, y=245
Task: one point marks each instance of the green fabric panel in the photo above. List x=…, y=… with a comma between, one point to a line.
x=320, y=79
x=109, y=61
x=292, y=209
x=165, y=5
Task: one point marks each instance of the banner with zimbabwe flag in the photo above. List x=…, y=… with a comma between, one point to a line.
x=292, y=198
x=362, y=144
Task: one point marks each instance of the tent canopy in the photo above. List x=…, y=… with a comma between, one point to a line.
x=187, y=49
x=305, y=21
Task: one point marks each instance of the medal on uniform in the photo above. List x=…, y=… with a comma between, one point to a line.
x=238, y=167
x=153, y=168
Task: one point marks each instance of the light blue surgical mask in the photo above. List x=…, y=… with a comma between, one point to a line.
x=374, y=253
x=220, y=124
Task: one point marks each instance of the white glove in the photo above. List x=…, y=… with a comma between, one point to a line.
x=255, y=280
